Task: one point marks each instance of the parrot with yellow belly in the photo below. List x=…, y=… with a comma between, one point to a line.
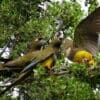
x=45, y=57
x=86, y=43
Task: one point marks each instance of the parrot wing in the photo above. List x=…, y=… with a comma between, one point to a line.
x=41, y=56
x=87, y=32
x=24, y=73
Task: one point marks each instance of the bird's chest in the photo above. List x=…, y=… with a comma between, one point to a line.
x=48, y=63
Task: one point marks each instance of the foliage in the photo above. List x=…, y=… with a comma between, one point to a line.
x=28, y=20
x=24, y=17
x=93, y=4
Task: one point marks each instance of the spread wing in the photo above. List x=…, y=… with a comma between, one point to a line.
x=86, y=35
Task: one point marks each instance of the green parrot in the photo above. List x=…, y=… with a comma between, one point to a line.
x=45, y=57
x=34, y=47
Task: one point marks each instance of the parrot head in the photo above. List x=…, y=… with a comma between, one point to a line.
x=83, y=56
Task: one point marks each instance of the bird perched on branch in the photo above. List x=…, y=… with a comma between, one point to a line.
x=86, y=42
x=35, y=47
x=45, y=57
x=27, y=58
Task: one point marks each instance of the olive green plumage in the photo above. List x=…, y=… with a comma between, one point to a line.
x=19, y=63
x=36, y=44
x=46, y=56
